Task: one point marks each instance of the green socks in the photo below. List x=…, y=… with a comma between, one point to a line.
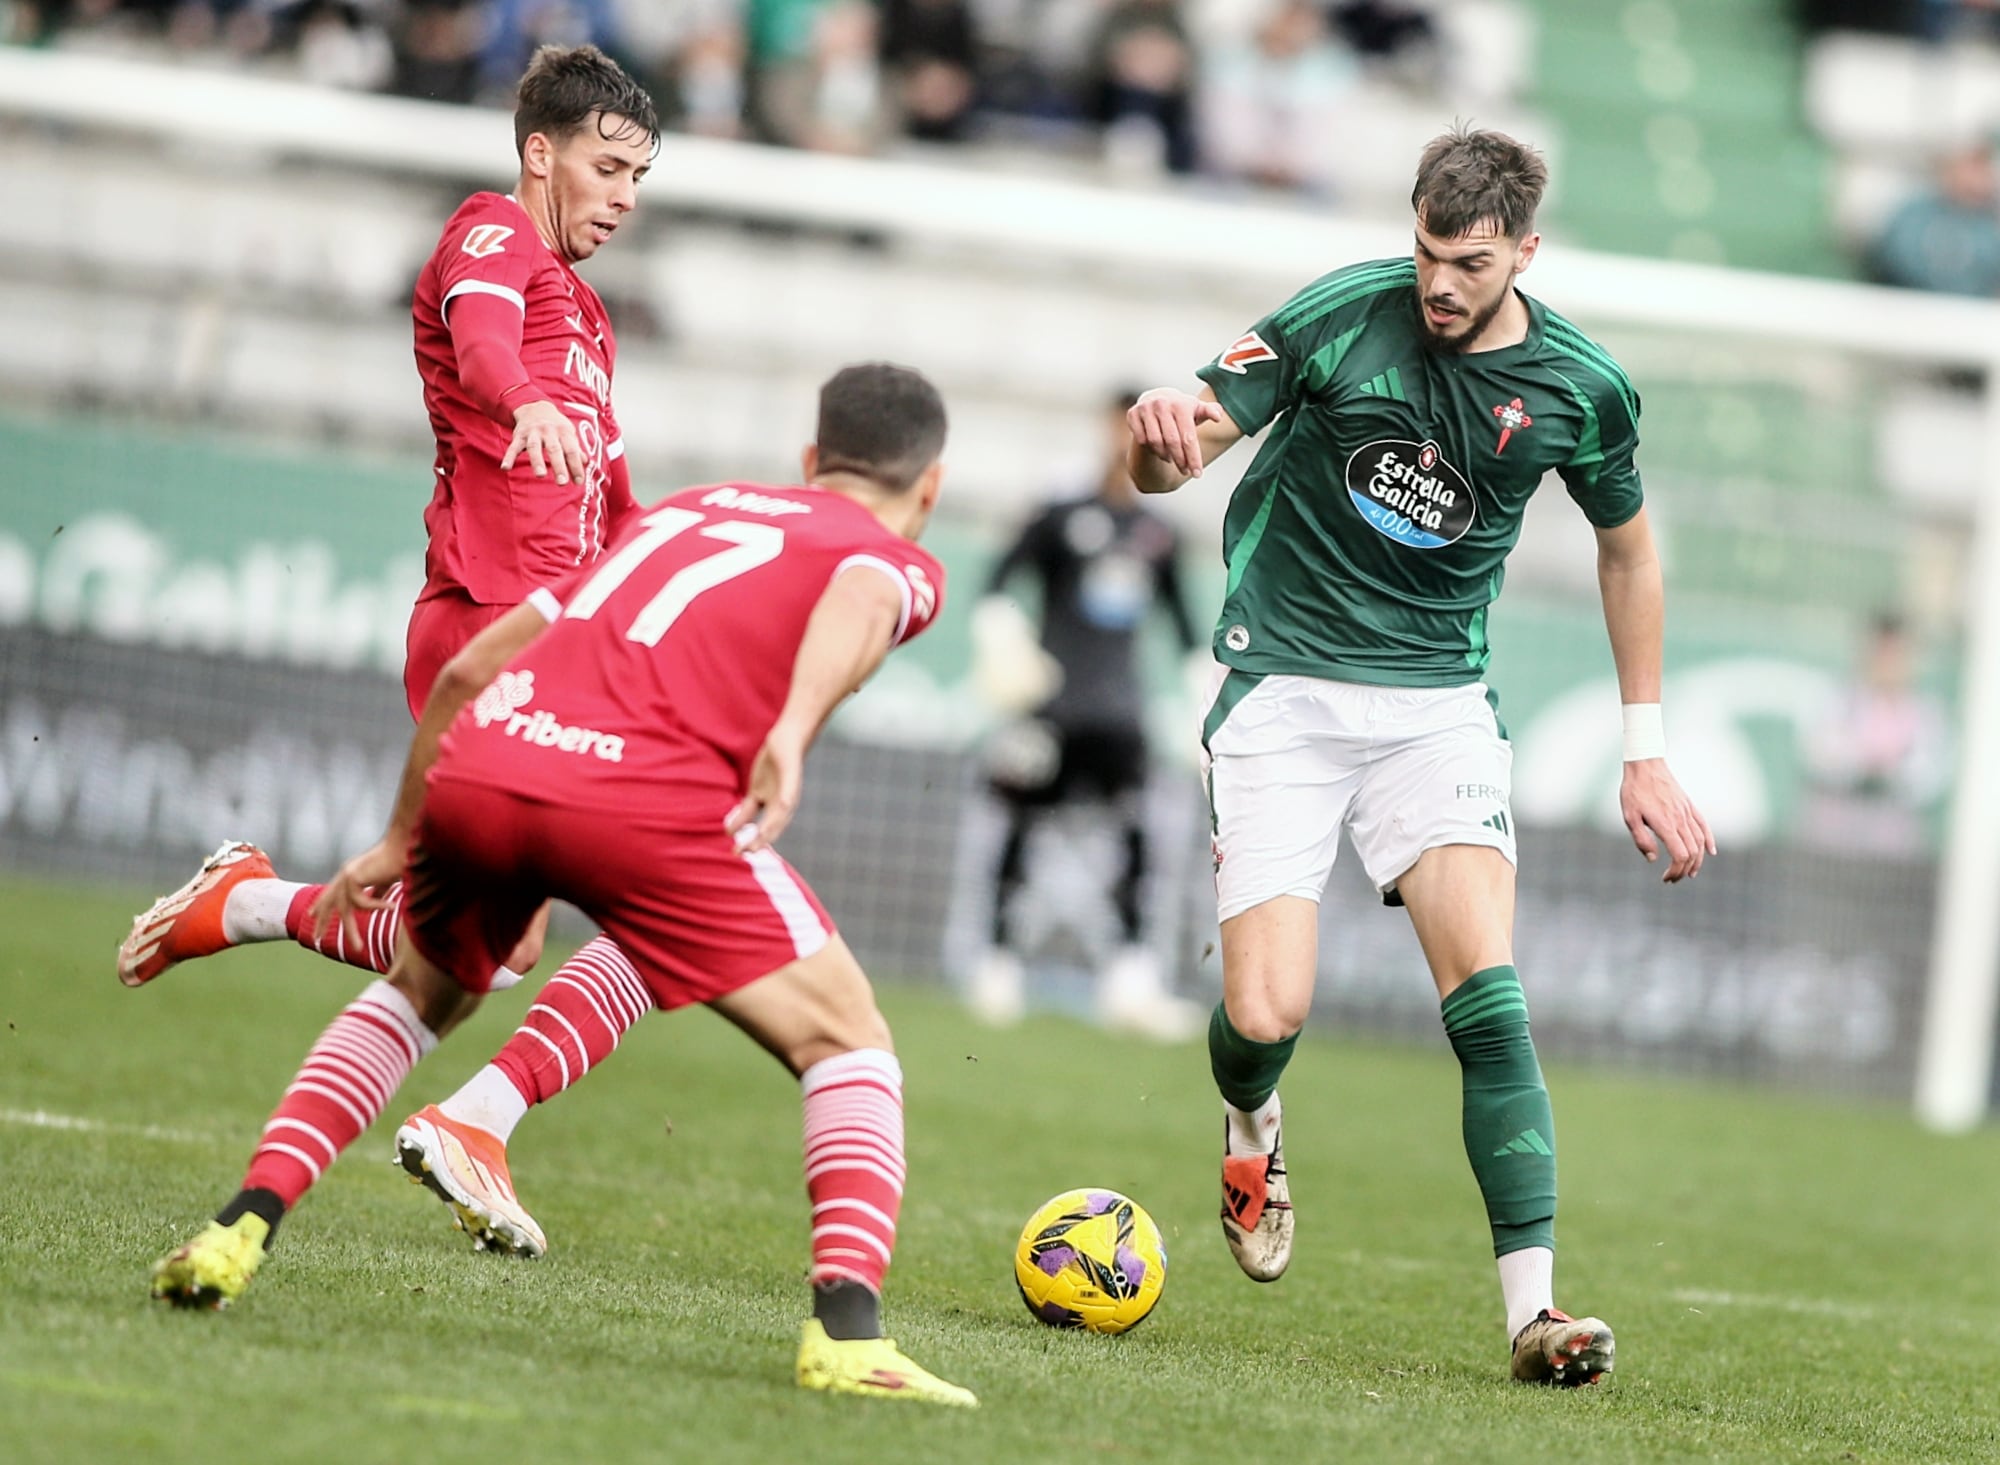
x=1510, y=1134
x=1245, y=1070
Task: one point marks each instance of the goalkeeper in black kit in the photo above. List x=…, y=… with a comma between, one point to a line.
x=1102, y=564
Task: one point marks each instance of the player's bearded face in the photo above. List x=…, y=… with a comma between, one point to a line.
x=1463, y=283
x=593, y=183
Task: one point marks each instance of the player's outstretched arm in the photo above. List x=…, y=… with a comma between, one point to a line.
x=851, y=630
x=486, y=340
x=1175, y=435
x=464, y=677
x=1657, y=811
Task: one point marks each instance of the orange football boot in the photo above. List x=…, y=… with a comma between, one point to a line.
x=187, y=924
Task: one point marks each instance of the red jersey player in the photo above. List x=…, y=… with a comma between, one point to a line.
x=632, y=741
x=516, y=354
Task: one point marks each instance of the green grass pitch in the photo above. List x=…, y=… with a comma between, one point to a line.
x=1789, y=1280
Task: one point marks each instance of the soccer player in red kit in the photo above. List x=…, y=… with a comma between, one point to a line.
x=516, y=353
x=632, y=740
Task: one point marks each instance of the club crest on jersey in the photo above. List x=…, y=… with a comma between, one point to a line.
x=482, y=240
x=1245, y=352
x=511, y=689
x=1512, y=419
x=1410, y=493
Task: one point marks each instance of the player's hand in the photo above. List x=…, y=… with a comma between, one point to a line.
x=1659, y=813
x=775, y=781
x=549, y=439
x=1166, y=423
x=354, y=890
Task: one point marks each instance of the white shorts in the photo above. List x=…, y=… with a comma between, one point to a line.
x=1291, y=761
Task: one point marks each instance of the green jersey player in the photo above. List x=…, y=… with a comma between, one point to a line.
x=1413, y=406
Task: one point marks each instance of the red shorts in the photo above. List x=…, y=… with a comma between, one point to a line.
x=440, y=625
x=697, y=919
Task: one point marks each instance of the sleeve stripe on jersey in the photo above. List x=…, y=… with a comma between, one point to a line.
x=1565, y=338
x=902, y=584
x=482, y=287
x=1334, y=284
x=1589, y=442
x=1341, y=283
x=1583, y=348
x=616, y=451
x=544, y=600
x=1401, y=279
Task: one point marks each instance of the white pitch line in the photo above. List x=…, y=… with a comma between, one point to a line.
x=1853, y=1312
x=43, y=1119
x=1827, y=1307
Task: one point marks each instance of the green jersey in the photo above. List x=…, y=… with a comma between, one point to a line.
x=1371, y=532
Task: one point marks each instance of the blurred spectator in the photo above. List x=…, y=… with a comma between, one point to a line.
x=1893, y=17
x=1932, y=20
x=1266, y=101
x=1948, y=20
x=931, y=48
x=1882, y=757
x=1391, y=33
x=340, y=44
x=1947, y=237
x=708, y=75
x=437, y=45
x=815, y=82
x=514, y=28
x=31, y=22
x=241, y=27
x=1141, y=87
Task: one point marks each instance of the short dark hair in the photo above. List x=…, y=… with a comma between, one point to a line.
x=881, y=421
x=1468, y=177
x=565, y=86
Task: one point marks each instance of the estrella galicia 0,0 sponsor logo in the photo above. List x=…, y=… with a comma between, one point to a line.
x=1410, y=493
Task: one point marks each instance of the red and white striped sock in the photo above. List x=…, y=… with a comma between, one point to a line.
x=344, y=1085
x=577, y=1019
x=378, y=930
x=854, y=1164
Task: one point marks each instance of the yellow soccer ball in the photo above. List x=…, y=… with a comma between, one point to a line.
x=1090, y=1259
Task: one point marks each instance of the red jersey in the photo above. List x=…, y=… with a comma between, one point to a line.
x=665, y=667
x=497, y=535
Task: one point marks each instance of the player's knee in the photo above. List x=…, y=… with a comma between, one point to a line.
x=1267, y=1015
x=527, y=951
x=435, y=996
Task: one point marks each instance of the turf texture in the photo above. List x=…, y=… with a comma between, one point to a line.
x=1790, y=1280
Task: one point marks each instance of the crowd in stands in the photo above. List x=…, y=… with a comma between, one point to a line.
x=1233, y=88
x=1941, y=231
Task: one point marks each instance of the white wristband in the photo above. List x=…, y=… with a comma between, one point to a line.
x=1645, y=733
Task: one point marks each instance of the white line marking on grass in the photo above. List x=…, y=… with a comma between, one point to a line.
x=43, y=1119
x=1853, y=1312
x=1907, y=1316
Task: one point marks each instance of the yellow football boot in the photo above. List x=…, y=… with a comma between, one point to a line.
x=215, y=1268
x=871, y=1366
